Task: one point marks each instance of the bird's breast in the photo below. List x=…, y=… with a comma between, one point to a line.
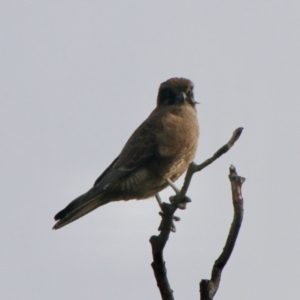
x=178, y=142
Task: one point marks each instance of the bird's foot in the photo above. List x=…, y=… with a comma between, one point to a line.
x=182, y=204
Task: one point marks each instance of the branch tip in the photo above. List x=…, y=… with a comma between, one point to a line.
x=233, y=176
x=238, y=131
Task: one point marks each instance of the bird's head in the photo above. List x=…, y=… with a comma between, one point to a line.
x=176, y=91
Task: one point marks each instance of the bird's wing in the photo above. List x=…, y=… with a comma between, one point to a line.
x=105, y=172
x=141, y=146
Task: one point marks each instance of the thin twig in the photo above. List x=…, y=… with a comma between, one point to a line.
x=208, y=288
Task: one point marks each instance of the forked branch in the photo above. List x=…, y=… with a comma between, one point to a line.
x=180, y=200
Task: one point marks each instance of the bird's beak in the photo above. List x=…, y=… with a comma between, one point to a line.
x=181, y=97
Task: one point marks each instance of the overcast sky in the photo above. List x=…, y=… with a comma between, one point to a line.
x=77, y=77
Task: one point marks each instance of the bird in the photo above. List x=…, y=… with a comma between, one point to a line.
x=159, y=151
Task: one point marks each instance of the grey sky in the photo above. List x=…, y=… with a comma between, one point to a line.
x=77, y=77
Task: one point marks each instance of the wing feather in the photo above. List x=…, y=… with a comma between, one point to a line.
x=141, y=146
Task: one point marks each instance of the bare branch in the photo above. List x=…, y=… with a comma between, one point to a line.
x=158, y=243
x=208, y=288
x=178, y=201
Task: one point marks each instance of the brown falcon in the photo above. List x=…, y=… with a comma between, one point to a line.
x=161, y=148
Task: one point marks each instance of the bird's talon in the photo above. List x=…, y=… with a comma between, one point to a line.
x=186, y=199
x=182, y=205
x=184, y=202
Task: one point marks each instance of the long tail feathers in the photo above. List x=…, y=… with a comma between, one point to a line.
x=78, y=208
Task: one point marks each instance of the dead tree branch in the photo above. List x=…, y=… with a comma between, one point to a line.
x=180, y=201
x=208, y=288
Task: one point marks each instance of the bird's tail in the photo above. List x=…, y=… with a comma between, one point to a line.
x=78, y=208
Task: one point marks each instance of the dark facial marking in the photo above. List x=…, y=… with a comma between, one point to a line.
x=167, y=96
